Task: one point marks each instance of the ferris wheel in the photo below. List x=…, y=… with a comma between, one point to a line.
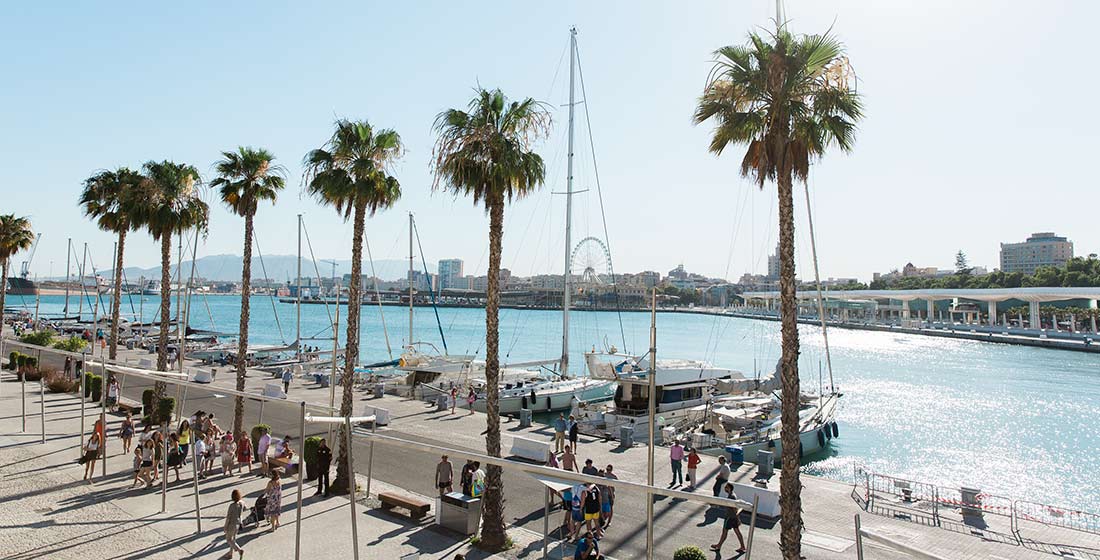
x=592, y=259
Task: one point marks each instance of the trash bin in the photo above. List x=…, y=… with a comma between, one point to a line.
x=525, y=418
x=129, y=345
x=459, y=512
x=626, y=436
x=440, y=402
x=972, y=501
x=737, y=455
x=379, y=390
x=765, y=463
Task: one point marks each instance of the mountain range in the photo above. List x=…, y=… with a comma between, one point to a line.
x=281, y=268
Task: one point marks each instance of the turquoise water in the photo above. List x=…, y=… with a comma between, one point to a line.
x=1011, y=420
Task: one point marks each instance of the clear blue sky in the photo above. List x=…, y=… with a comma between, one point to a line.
x=978, y=122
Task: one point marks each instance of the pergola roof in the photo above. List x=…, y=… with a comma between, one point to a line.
x=1040, y=295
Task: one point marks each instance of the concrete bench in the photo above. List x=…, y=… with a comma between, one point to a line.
x=530, y=449
x=274, y=390
x=126, y=405
x=381, y=415
x=767, y=507
x=202, y=376
x=417, y=508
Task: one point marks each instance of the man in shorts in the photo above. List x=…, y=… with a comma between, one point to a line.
x=732, y=521
x=444, y=476
x=608, y=496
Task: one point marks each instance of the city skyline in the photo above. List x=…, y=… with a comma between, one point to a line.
x=863, y=222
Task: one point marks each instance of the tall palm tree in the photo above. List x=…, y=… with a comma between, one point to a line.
x=245, y=178
x=351, y=173
x=485, y=153
x=15, y=236
x=785, y=98
x=111, y=199
x=170, y=205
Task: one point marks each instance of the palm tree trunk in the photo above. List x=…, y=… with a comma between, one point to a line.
x=116, y=301
x=790, y=488
x=165, y=309
x=3, y=293
x=242, y=343
x=342, y=483
x=492, y=528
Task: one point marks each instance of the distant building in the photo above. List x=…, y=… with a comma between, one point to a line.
x=773, y=265
x=450, y=274
x=646, y=279
x=678, y=273
x=1041, y=249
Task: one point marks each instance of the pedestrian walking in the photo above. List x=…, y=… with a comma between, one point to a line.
x=184, y=433
x=444, y=476
x=693, y=461
x=200, y=456
x=466, y=478
x=568, y=460
x=137, y=465
x=454, y=397
x=228, y=452
x=175, y=456
x=233, y=524
x=470, y=398
x=592, y=509
x=722, y=477
x=112, y=394
x=145, y=469
x=244, y=452
x=477, y=480
x=324, y=461
x=676, y=456
x=262, y=446
x=158, y=454
x=126, y=432
x=274, y=495
x=559, y=432
x=732, y=521
x=574, y=431
x=209, y=451
x=287, y=376
x=576, y=509
x=91, y=453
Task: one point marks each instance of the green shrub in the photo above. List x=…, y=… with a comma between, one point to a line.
x=71, y=344
x=147, y=401
x=255, y=434
x=38, y=338
x=97, y=387
x=32, y=374
x=13, y=360
x=165, y=407
x=689, y=553
x=309, y=453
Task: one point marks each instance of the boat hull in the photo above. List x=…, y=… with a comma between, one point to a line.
x=511, y=402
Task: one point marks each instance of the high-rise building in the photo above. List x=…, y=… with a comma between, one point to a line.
x=773, y=265
x=450, y=274
x=1041, y=249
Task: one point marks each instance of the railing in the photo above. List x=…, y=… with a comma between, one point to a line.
x=933, y=502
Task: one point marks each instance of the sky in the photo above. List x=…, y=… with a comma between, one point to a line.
x=977, y=114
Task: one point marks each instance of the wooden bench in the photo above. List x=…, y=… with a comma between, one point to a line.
x=133, y=407
x=417, y=508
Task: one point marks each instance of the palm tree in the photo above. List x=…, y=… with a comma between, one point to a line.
x=15, y=236
x=485, y=153
x=170, y=205
x=111, y=198
x=245, y=178
x=351, y=173
x=785, y=98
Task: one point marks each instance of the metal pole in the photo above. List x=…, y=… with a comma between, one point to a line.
x=752, y=526
x=164, y=478
x=83, y=398
x=103, y=410
x=301, y=479
x=195, y=484
x=545, y=522
x=298, y=292
x=859, y=540
x=652, y=423
x=260, y=420
x=332, y=374
x=370, y=455
x=410, y=278
x=42, y=405
x=351, y=488
x=68, y=256
x=567, y=277
x=22, y=396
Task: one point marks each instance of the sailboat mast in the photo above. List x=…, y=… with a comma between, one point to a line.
x=298, y=293
x=68, y=257
x=410, y=278
x=83, y=263
x=567, y=287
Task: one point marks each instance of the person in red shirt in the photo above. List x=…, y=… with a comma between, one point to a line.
x=693, y=461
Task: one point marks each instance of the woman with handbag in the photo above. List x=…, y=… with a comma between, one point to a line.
x=91, y=453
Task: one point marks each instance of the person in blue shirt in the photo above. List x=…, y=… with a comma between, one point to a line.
x=588, y=548
x=559, y=432
x=287, y=376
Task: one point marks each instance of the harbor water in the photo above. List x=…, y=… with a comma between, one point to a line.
x=1010, y=420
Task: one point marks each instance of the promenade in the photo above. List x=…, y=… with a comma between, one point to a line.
x=48, y=511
